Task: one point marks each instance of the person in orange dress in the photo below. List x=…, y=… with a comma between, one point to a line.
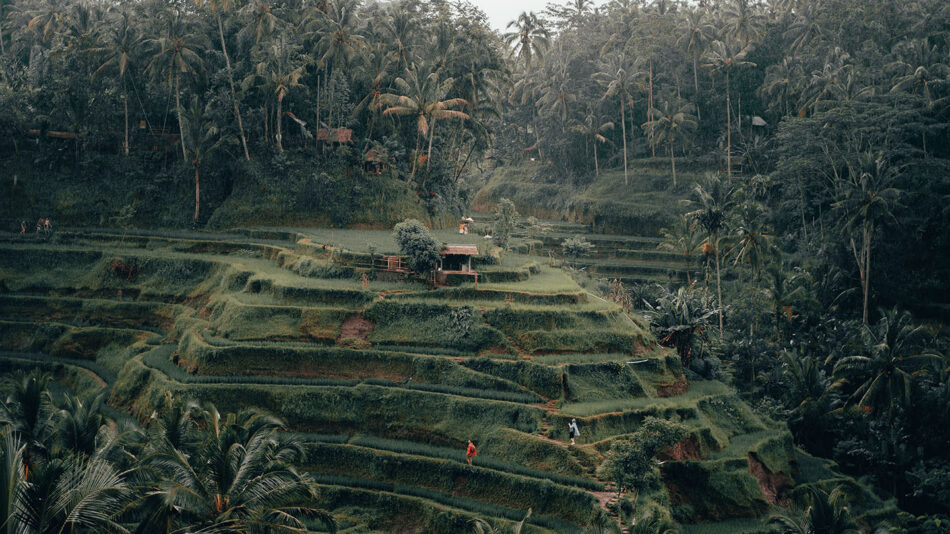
x=470, y=452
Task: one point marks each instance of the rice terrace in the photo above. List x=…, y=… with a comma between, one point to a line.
x=358, y=266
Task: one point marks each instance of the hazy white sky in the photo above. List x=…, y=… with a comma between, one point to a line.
x=501, y=12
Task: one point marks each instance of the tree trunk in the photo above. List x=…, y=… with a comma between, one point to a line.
x=429, y=152
x=623, y=127
x=537, y=139
x=673, y=162
x=867, y=271
x=718, y=283
x=415, y=159
x=181, y=126
x=237, y=111
x=699, y=116
x=650, y=109
x=318, y=105
x=596, y=164
x=125, y=104
x=197, y=192
x=280, y=145
x=728, y=132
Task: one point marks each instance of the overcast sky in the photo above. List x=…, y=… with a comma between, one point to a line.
x=501, y=12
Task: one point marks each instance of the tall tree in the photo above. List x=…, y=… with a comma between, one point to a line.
x=620, y=76
x=724, y=56
x=716, y=198
x=672, y=120
x=118, y=54
x=175, y=54
x=219, y=7
x=529, y=39
x=422, y=95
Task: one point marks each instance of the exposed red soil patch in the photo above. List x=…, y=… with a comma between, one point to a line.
x=773, y=485
x=671, y=390
x=685, y=449
x=356, y=326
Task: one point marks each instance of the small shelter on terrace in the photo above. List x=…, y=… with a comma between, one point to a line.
x=457, y=258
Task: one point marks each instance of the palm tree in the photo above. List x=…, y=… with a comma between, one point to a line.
x=867, y=199
x=280, y=70
x=480, y=526
x=592, y=129
x=338, y=40
x=826, y=513
x=715, y=198
x=27, y=411
x=780, y=83
x=118, y=54
x=684, y=238
x=753, y=243
x=669, y=122
x=12, y=479
x=724, y=57
x=423, y=95
x=219, y=7
x=206, y=139
x=529, y=39
x=890, y=355
x=694, y=30
x=620, y=76
x=175, y=55
x=679, y=320
x=743, y=21
x=237, y=477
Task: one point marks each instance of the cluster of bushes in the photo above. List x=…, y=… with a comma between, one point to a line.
x=405, y=323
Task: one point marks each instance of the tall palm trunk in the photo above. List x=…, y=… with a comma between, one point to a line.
x=237, y=111
x=728, y=129
x=429, y=152
x=718, y=282
x=181, y=124
x=197, y=191
x=673, y=162
x=596, y=164
x=867, y=271
x=280, y=101
x=650, y=109
x=623, y=128
x=415, y=159
x=696, y=87
x=125, y=105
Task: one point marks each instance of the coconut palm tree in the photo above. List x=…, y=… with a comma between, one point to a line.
x=206, y=139
x=279, y=71
x=743, y=20
x=26, y=411
x=725, y=56
x=890, y=354
x=118, y=54
x=219, y=7
x=480, y=526
x=867, y=199
x=175, y=54
x=680, y=319
x=716, y=198
x=338, y=41
x=685, y=239
x=529, y=39
x=826, y=513
x=237, y=477
x=593, y=128
x=620, y=76
x=422, y=95
x=694, y=30
x=671, y=121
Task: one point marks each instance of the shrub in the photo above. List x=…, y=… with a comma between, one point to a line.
x=504, y=223
x=574, y=247
x=417, y=243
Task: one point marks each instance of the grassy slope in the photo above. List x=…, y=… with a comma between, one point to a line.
x=257, y=332
x=641, y=207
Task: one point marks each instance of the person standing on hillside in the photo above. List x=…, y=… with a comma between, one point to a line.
x=573, y=431
x=470, y=452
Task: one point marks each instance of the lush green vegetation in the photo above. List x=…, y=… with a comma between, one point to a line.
x=729, y=266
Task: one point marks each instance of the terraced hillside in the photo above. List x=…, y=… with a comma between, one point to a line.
x=386, y=379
